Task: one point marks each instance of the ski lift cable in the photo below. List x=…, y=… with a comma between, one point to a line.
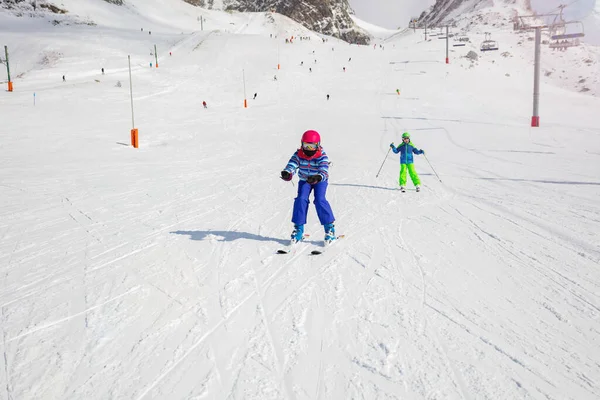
x=562, y=6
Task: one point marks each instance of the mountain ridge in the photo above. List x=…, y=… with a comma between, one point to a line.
x=329, y=17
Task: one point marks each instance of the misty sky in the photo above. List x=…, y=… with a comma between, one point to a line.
x=389, y=14
x=575, y=10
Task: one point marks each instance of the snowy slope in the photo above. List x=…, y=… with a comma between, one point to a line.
x=48, y=49
x=152, y=273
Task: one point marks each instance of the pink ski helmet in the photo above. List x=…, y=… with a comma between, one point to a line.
x=311, y=137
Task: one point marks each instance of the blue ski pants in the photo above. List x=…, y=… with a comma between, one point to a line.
x=321, y=204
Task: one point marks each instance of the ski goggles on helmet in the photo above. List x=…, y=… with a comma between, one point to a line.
x=310, y=146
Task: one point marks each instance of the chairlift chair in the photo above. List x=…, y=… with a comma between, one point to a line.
x=460, y=41
x=564, y=44
x=562, y=31
x=566, y=34
x=578, y=31
x=488, y=44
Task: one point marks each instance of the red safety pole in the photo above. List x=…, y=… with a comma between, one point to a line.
x=535, y=119
x=447, y=58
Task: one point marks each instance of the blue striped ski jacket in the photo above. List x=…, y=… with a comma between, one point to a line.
x=306, y=167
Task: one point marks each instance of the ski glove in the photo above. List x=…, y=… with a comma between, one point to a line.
x=314, y=179
x=286, y=176
x=392, y=145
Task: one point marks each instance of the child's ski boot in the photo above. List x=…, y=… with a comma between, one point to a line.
x=329, y=233
x=402, y=189
x=297, y=234
x=418, y=188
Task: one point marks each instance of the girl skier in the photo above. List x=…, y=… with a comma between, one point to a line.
x=312, y=164
x=406, y=150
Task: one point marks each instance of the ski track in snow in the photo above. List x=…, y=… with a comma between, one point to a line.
x=152, y=273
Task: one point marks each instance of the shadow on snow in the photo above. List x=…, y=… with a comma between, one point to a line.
x=362, y=186
x=229, y=236
x=540, y=181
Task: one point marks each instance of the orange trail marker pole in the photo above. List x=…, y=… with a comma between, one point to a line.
x=10, y=84
x=134, y=131
x=244, y=78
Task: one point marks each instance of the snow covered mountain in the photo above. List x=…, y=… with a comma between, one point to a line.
x=330, y=17
x=449, y=11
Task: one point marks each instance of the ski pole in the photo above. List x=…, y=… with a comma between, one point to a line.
x=386, y=154
x=432, y=168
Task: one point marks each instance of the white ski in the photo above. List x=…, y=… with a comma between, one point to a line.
x=326, y=246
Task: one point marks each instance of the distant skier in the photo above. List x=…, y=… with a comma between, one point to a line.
x=64, y=79
x=327, y=97
x=204, y=104
x=310, y=70
x=344, y=69
x=406, y=150
x=301, y=63
x=275, y=78
x=350, y=59
x=102, y=71
x=255, y=94
x=312, y=164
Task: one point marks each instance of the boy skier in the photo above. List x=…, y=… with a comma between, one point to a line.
x=406, y=150
x=312, y=164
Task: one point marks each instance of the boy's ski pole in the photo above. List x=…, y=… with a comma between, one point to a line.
x=432, y=168
x=386, y=154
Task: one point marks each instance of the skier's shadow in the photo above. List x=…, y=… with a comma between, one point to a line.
x=362, y=186
x=356, y=185
x=229, y=236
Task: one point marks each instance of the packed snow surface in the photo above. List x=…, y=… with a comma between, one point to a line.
x=151, y=273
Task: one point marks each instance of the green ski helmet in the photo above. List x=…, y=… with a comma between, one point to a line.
x=406, y=135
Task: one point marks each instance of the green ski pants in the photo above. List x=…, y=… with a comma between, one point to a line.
x=413, y=174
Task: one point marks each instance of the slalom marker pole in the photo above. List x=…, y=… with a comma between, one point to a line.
x=386, y=155
x=432, y=168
